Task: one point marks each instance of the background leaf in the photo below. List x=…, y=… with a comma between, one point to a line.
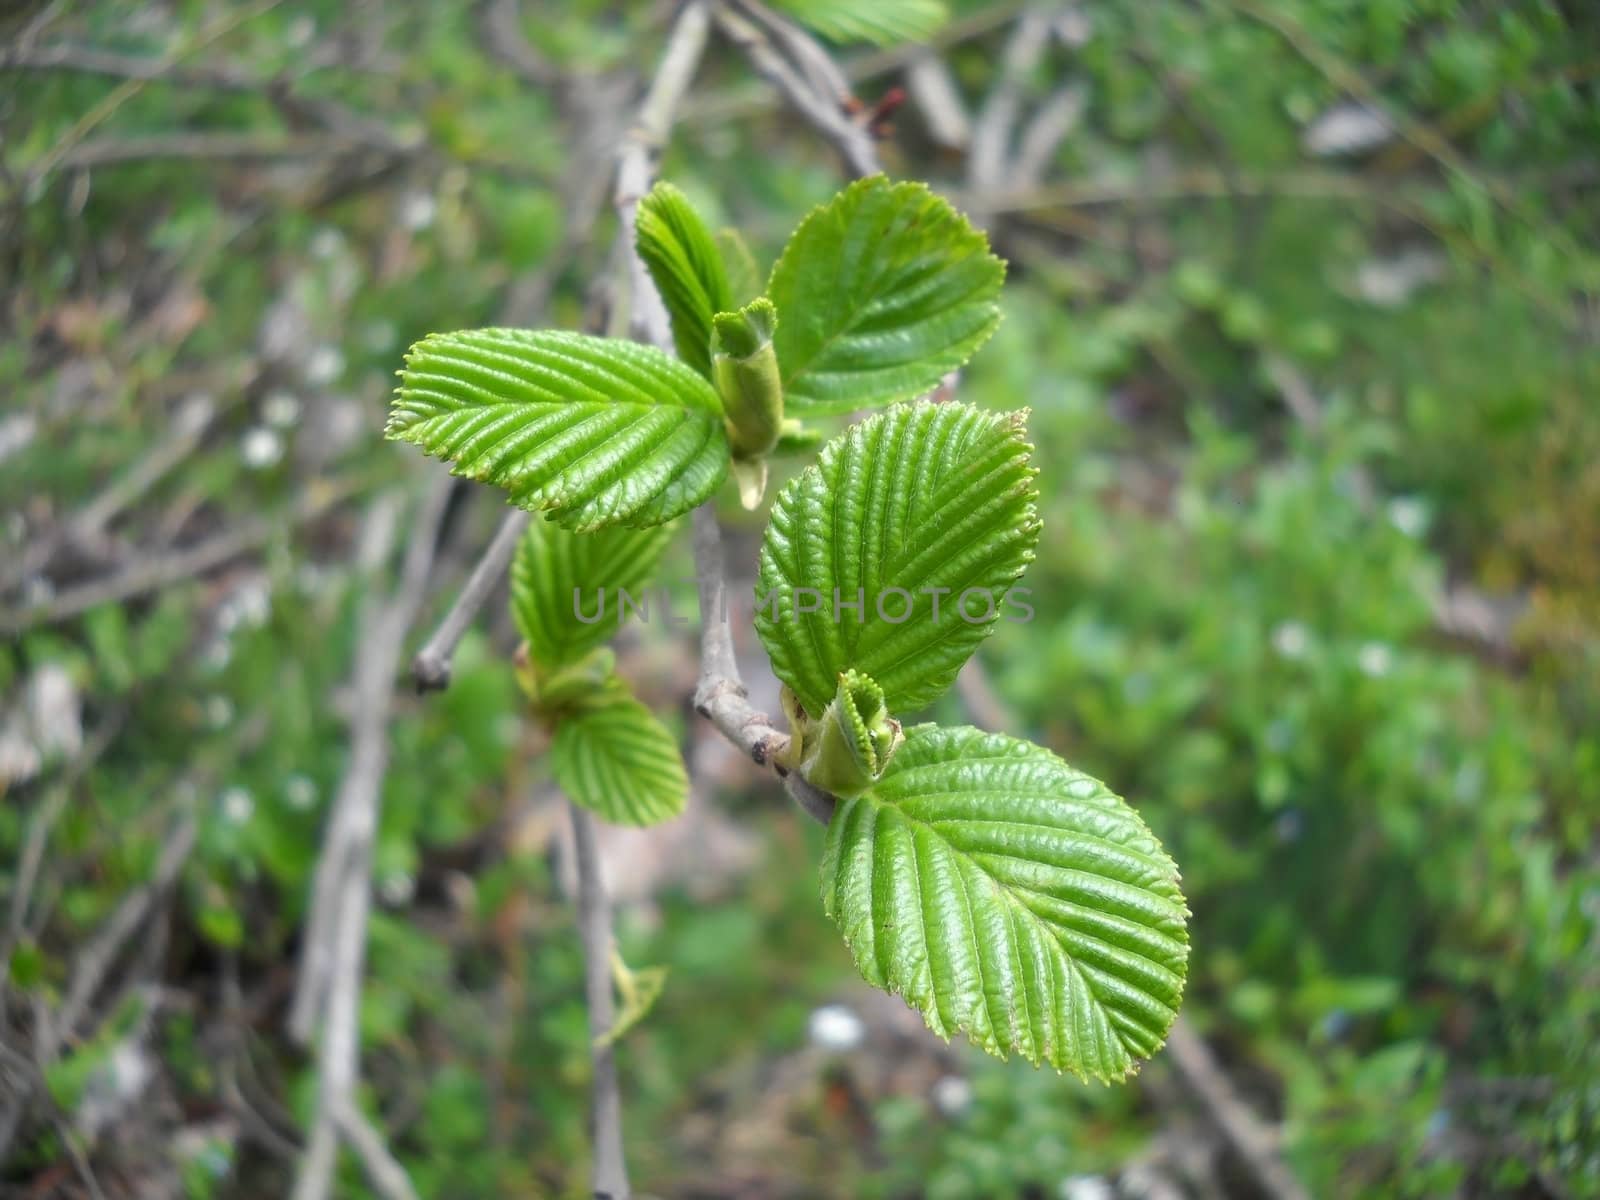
x=882, y=22
x=594, y=431
x=686, y=263
x=880, y=292
x=621, y=763
x=922, y=496
x=1014, y=899
x=552, y=563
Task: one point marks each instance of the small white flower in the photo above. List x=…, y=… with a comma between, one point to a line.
x=280, y=408
x=237, y=805
x=261, y=448
x=300, y=32
x=1291, y=640
x=300, y=792
x=835, y=1028
x=417, y=210
x=1346, y=129
x=324, y=365
x=1375, y=659
x=217, y=654
x=1409, y=515
x=326, y=243
x=1086, y=1187
x=397, y=889
x=952, y=1095
x=219, y=711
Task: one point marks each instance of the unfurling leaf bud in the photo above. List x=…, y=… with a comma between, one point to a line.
x=846, y=749
x=744, y=367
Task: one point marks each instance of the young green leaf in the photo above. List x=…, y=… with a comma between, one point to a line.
x=684, y=260
x=880, y=292
x=891, y=555
x=617, y=760
x=593, y=431
x=1014, y=899
x=567, y=588
x=882, y=22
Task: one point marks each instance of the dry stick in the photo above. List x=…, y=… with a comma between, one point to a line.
x=853, y=141
x=157, y=573
x=93, y=965
x=991, y=133
x=384, y=1172
x=431, y=666
x=610, y=1180
x=89, y=523
x=335, y=952
x=933, y=89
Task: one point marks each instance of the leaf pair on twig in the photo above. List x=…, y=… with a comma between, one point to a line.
x=1002, y=893
x=877, y=296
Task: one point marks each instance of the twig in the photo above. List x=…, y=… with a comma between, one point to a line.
x=431, y=666
x=1057, y=117
x=594, y=929
x=933, y=89
x=636, y=157
x=501, y=25
x=824, y=112
x=92, y=966
x=384, y=1172
x=125, y=91
x=229, y=147
x=88, y=525
x=1255, y=1143
x=156, y=573
x=997, y=119
x=335, y=950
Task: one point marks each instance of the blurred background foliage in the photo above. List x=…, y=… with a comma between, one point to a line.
x=1304, y=302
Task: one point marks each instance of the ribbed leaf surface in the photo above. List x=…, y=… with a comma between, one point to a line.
x=621, y=763
x=1011, y=898
x=594, y=431
x=880, y=292
x=920, y=498
x=881, y=22
x=566, y=588
x=684, y=260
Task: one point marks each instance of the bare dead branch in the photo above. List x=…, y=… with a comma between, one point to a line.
x=997, y=119
x=933, y=90
x=384, y=1172
x=431, y=666
x=227, y=147
x=152, y=574
x=610, y=1180
x=1051, y=125
x=93, y=965
x=332, y=959
x=824, y=112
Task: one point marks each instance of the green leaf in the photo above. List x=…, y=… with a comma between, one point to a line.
x=920, y=498
x=620, y=763
x=684, y=260
x=882, y=22
x=566, y=588
x=880, y=293
x=1011, y=898
x=594, y=431
x=638, y=989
